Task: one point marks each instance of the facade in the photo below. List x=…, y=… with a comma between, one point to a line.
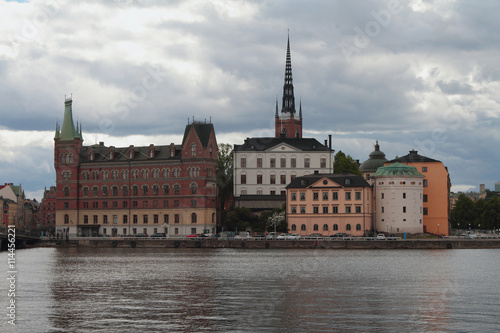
x=48, y=209
x=398, y=198
x=12, y=197
x=376, y=159
x=328, y=204
x=264, y=166
x=135, y=190
x=436, y=192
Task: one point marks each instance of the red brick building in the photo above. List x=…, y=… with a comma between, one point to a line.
x=133, y=190
x=48, y=209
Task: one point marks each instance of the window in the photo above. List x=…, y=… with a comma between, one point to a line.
x=193, y=149
x=302, y=210
x=404, y=195
x=272, y=179
x=165, y=189
x=176, y=189
x=325, y=209
x=348, y=181
x=135, y=190
x=272, y=192
x=358, y=209
x=105, y=219
x=66, y=205
x=176, y=218
x=193, y=203
x=282, y=162
x=105, y=204
x=145, y=189
x=335, y=196
x=294, y=227
x=115, y=219
x=66, y=219
x=348, y=209
x=134, y=204
x=348, y=195
x=114, y=191
x=86, y=219
x=335, y=210
x=315, y=227
x=335, y=227
x=425, y=182
x=282, y=179
x=424, y=169
x=96, y=220
x=243, y=179
x=259, y=162
x=293, y=162
x=134, y=219
x=425, y=198
x=315, y=210
x=243, y=162
x=315, y=195
x=165, y=219
x=125, y=219
x=145, y=219
x=86, y=191
x=144, y=204
x=194, y=188
x=66, y=191
x=404, y=209
x=294, y=210
x=125, y=204
x=358, y=227
x=325, y=195
x=95, y=191
x=302, y=196
x=292, y=178
x=322, y=163
x=348, y=227
x=426, y=211
x=357, y=195
x=259, y=179
x=325, y=227
x=193, y=218
x=303, y=227
x=125, y=190
x=293, y=196
x=155, y=189
x=307, y=162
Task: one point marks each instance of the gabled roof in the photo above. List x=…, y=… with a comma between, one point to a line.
x=265, y=143
x=413, y=157
x=344, y=180
x=203, y=131
x=120, y=153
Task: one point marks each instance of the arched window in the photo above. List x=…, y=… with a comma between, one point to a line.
x=68, y=175
x=66, y=219
x=193, y=218
x=66, y=191
x=315, y=227
x=145, y=189
x=348, y=227
x=210, y=150
x=62, y=158
x=155, y=189
x=193, y=149
x=64, y=175
x=165, y=189
x=135, y=190
x=294, y=227
x=335, y=227
x=194, y=188
x=303, y=227
x=70, y=158
x=358, y=226
x=325, y=227
x=115, y=191
x=176, y=189
x=125, y=190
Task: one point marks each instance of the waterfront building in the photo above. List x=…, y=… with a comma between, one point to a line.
x=398, y=198
x=135, y=190
x=12, y=197
x=436, y=191
x=376, y=159
x=264, y=166
x=497, y=187
x=329, y=204
x=48, y=209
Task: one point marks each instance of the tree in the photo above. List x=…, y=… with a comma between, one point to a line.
x=490, y=217
x=224, y=177
x=343, y=163
x=240, y=218
x=463, y=213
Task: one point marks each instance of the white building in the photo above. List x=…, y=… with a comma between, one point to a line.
x=398, y=193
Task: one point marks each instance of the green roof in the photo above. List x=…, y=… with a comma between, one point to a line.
x=397, y=169
x=68, y=130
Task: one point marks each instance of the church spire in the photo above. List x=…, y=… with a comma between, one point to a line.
x=68, y=131
x=288, y=103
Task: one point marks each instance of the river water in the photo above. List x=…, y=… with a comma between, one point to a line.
x=245, y=290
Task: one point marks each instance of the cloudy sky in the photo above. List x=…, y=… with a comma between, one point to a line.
x=420, y=75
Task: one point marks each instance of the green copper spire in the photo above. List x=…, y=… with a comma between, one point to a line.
x=68, y=131
x=57, y=132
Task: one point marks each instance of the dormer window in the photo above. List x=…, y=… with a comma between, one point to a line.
x=110, y=155
x=151, y=153
x=91, y=156
x=171, y=152
x=348, y=181
x=131, y=155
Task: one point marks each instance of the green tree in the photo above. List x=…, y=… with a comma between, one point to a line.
x=463, y=213
x=343, y=163
x=224, y=178
x=240, y=219
x=490, y=217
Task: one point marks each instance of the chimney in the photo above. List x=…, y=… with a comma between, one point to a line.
x=330, y=141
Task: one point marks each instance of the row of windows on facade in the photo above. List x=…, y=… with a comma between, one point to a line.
x=335, y=227
x=424, y=196
x=193, y=188
x=137, y=174
x=272, y=179
x=155, y=230
x=404, y=183
x=283, y=162
x=325, y=210
x=135, y=219
x=324, y=195
x=423, y=210
x=134, y=204
x=261, y=192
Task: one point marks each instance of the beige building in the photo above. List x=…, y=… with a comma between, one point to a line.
x=329, y=204
x=398, y=199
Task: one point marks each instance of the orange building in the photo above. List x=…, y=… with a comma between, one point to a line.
x=436, y=196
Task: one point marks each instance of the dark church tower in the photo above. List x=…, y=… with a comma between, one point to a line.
x=288, y=124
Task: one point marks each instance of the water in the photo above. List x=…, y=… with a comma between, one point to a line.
x=243, y=290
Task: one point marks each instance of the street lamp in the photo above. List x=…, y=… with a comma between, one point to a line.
x=438, y=230
x=387, y=228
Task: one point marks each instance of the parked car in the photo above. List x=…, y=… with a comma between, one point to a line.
x=205, y=236
x=282, y=236
x=259, y=236
x=159, y=235
x=272, y=235
x=293, y=236
x=380, y=236
x=142, y=234
x=193, y=236
x=391, y=237
x=339, y=235
x=314, y=236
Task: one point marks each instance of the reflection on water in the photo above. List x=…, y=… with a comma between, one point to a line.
x=215, y=290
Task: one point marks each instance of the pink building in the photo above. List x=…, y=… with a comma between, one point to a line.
x=328, y=204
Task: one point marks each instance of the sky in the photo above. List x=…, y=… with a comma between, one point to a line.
x=417, y=74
